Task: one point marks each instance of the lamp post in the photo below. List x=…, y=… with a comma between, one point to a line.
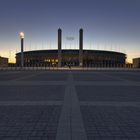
x=22, y=48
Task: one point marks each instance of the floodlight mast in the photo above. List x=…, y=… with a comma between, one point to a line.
x=22, y=48
x=21, y=35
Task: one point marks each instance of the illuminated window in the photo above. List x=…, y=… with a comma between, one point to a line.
x=45, y=60
x=52, y=60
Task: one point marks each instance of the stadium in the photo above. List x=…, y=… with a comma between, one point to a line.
x=70, y=57
x=93, y=58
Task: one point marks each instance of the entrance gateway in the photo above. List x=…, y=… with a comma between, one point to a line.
x=60, y=47
x=67, y=57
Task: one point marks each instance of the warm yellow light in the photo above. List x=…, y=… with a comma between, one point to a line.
x=21, y=35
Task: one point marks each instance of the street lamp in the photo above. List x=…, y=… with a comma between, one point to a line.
x=22, y=48
x=21, y=35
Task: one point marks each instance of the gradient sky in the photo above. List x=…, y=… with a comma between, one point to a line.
x=108, y=25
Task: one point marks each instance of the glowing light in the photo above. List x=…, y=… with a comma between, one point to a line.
x=21, y=35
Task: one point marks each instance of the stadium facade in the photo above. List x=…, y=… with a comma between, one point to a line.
x=72, y=57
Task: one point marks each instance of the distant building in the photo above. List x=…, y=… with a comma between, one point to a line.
x=3, y=62
x=136, y=62
x=91, y=58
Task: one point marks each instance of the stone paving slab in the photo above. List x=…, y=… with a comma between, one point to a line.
x=13, y=75
x=109, y=123
x=30, y=122
x=126, y=76
x=69, y=105
x=93, y=77
x=109, y=93
x=32, y=93
x=48, y=77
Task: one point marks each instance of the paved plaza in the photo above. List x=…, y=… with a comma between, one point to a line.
x=69, y=105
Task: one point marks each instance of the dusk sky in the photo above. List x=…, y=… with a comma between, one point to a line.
x=108, y=25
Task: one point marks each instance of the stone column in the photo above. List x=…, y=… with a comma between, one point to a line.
x=59, y=47
x=81, y=47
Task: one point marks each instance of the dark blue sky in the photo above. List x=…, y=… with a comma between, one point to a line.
x=107, y=24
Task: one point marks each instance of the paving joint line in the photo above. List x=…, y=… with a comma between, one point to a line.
x=30, y=103
x=26, y=77
x=71, y=124
x=109, y=103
